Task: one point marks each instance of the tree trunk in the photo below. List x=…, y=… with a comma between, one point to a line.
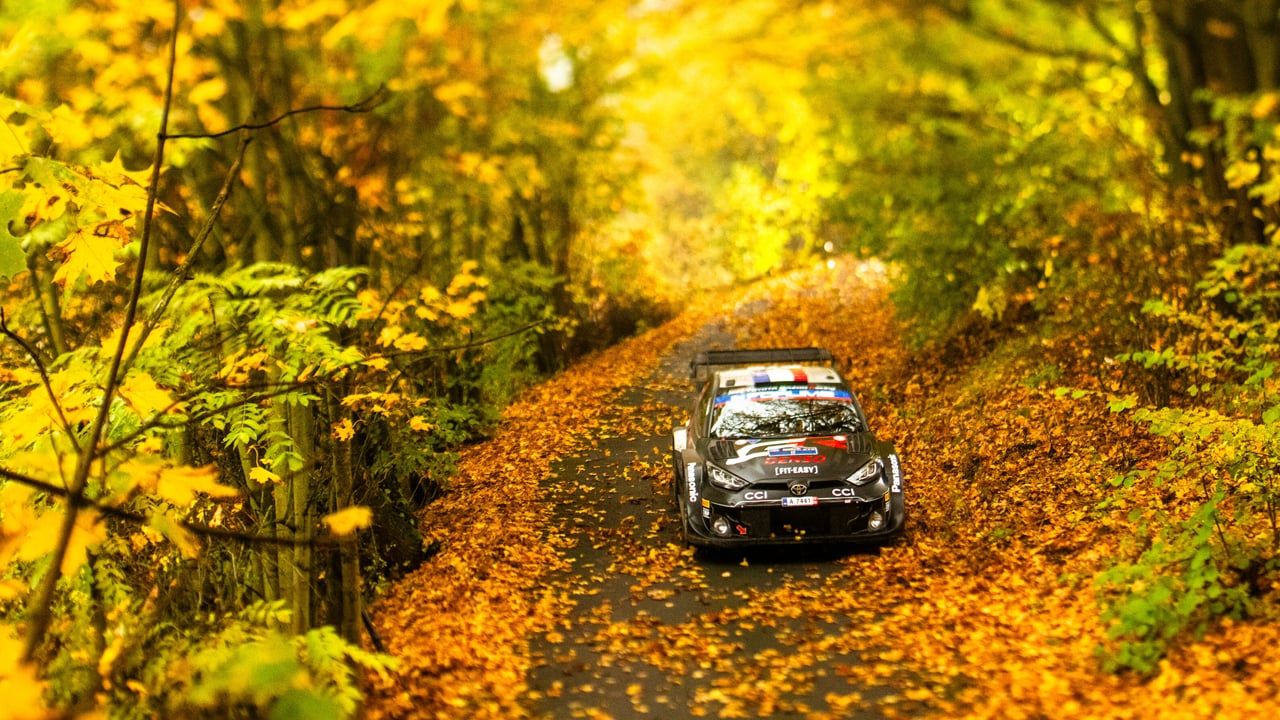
x=1223, y=48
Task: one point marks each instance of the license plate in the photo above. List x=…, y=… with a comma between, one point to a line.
x=799, y=501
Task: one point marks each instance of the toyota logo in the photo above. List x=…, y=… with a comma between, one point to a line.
x=799, y=488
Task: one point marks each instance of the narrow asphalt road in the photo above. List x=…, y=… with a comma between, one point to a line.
x=659, y=630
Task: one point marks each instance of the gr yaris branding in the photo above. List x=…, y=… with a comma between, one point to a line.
x=795, y=460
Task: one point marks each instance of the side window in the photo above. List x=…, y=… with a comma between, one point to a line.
x=702, y=410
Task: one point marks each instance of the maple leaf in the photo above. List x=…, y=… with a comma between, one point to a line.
x=349, y=520
x=410, y=342
x=389, y=335
x=263, y=476
x=42, y=537
x=89, y=255
x=12, y=259
x=417, y=423
x=460, y=309
x=114, y=172
x=179, y=485
x=343, y=430
x=142, y=394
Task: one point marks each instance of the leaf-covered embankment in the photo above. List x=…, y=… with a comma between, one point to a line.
x=990, y=608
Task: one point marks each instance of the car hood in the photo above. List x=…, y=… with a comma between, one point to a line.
x=813, y=458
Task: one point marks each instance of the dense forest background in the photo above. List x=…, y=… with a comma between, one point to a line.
x=269, y=264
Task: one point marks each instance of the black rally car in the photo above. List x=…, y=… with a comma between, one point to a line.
x=778, y=450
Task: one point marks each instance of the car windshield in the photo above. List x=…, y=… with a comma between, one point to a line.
x=784, y=412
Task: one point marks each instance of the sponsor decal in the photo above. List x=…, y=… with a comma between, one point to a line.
x=896, y=485
x=796, y=470
x=706, y=513
x=804, y=501
x=706, y=503
x=844, y=492
x=790, y=460
x=792, y=450
x=755, y=495
x=809, y=393
x=691, y=478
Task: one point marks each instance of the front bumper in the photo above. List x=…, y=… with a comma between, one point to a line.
x=830, y=521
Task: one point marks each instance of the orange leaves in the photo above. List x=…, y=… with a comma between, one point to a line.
x=343, y=431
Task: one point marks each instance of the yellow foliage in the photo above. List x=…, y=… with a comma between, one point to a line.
x=68, y=129
x=460, y=309
x=41, y=537
x=178, y=535
x=72, y=386
x=12, y=589
x=263, y=476
x=420, y=425
x=21, y=688
x=349, y=520
x=389, y=335
x=410, y=342
x=14, y=139
x=178, y=485
x=142, y=394
x=90, y=254
x=343, y=430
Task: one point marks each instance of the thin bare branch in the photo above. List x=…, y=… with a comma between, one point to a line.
x=182, y=272
x=363, y=106
x=975, y=26
x=40, y=610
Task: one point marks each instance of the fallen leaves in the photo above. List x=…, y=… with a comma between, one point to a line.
x=986, y=610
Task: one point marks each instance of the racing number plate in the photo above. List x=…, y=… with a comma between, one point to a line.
x=799, y=501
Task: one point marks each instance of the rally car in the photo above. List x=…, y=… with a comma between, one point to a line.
x=778, y=450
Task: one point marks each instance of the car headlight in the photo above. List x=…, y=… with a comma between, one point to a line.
x=867, y=472
x=726, y=480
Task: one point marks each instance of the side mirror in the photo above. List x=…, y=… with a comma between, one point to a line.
x=680, y=438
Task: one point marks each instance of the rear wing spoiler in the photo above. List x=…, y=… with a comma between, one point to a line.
x=779, y=356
